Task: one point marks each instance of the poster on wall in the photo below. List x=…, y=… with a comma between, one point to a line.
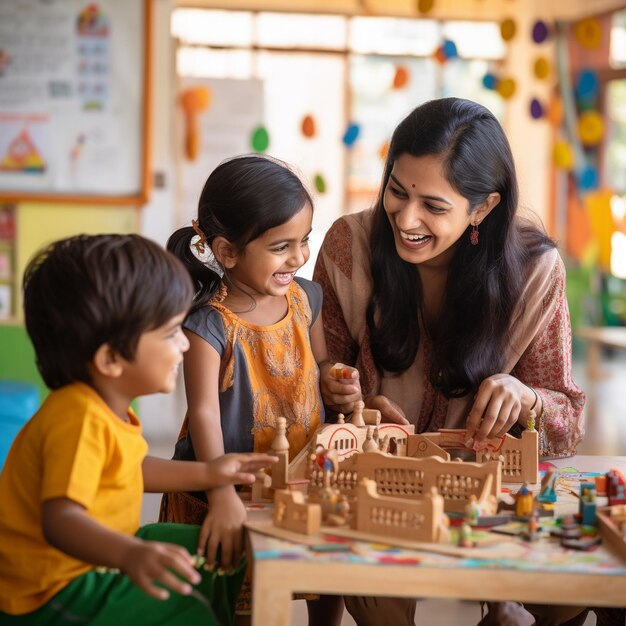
x=73, y=105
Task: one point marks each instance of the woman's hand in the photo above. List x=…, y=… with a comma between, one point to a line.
x=389, y=410
x=223, y=526
x=340, y=386
x=497, y=406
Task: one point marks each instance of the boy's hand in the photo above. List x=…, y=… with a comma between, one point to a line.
x=340, y=386
x=237, y=468
x=223, y=526
x=147, y=562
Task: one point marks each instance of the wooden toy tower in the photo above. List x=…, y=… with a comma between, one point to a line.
x=280, y=448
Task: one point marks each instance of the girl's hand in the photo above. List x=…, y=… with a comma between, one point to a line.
x=497, y=406
x=389, y=410
x=236, y=468
x=223, y=526
x=340, y=386
x=148, y=561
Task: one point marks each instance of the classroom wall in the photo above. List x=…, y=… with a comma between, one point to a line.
x=531, y=141
x=458, y=9
x=162, y=414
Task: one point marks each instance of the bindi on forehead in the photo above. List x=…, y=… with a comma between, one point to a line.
x=413, y=185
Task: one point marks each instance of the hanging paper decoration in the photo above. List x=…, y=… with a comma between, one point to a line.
x=588, y=33
x=507, y=29
x=320, y=183
x=401, y=77
x=260, y=139
x=536, y=109
x=308, y=126
x=563, y=155
x=194, y=101
x=578, y=239
x=587, y=85
x=383, y=151
x=425, y=6
x=506, y=87
x=351, y=134
x=618, y=209
x=588, y=178
x=440, y=56
x=590, y=128
x=540, y=31
x=555, y=112
x=598, y=207
x=449, y=49
x=490, y=81
x=541, y=68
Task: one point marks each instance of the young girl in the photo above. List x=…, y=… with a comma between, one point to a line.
x=257, y=348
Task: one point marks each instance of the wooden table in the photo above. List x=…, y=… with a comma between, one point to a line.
x=598, y=337
x=279, y=570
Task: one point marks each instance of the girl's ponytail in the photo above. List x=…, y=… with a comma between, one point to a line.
x=205, y=279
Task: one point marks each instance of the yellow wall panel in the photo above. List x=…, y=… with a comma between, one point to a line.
x=39, y=224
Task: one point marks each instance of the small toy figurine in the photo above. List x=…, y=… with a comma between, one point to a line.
x=369, y=445
x=472, y=511
x=339, y=514
x=357, y=414
x=340, y=371
x=465, y=532
x=532, y=533
x=392, y=446
x=547, y=493
x=615, y=486
x=587, y=504
x=524, y=502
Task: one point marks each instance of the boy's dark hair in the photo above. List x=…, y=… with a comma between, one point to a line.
x=88, y=290
x=242, y=198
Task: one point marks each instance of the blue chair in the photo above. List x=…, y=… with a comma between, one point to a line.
x=18, y=403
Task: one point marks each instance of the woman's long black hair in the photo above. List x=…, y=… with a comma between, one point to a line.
x=485, y=282
x=242, y=198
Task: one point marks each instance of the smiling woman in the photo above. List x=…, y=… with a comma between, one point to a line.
x=449, y=329
x=428, y=216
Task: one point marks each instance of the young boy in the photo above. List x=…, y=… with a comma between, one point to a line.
x=104, y=314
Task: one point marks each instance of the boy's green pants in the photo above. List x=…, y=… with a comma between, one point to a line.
x=111, y=599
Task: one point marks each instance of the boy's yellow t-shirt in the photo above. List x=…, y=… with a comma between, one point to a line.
x=74, y=447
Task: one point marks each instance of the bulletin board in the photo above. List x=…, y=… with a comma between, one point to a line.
x=74, y=101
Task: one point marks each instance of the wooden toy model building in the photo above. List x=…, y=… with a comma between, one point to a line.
x=395, y=484
x=408, y=478
x=518, y=456
x=349, y=437
x=366, y=510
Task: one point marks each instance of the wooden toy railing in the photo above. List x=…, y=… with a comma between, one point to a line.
x=422, y=519
x=404, y=477
x=519, y=457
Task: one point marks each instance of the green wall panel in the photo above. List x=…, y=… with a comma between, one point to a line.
x=17, y=358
